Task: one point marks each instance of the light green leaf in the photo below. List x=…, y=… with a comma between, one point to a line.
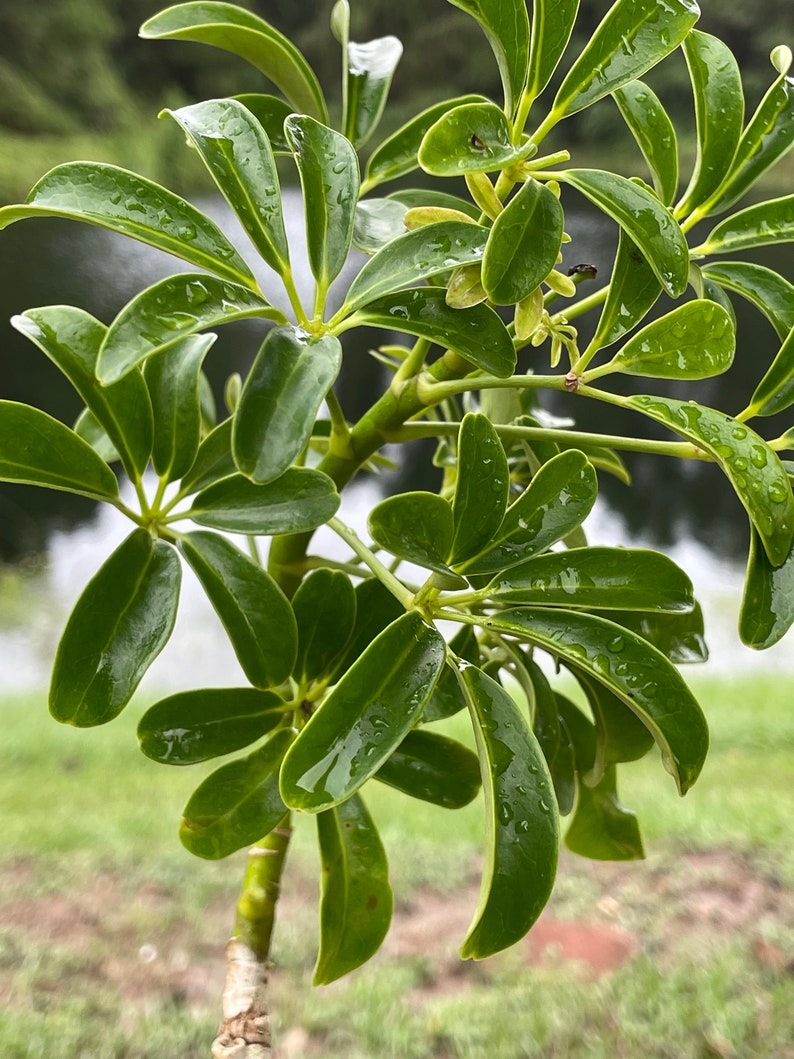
x=767, y=611
x=87, y=427
x=481, y=488
x=301, y=499
x=433, y=768
x=127, y=203
x=620, y=734
x=365, y=717
x=376, y=223
x=370, y=68
x=415, y=198
x=416, y=526
x=775, y=392
x=766, y=290
x=234, y=29
x=119, y=625
x=506, y=25
x=325, y=611
x=692, y=341
x=760, y=225
x=270, y=112
x=213, y=460
x=552, y=24
x=633, y=291
x=471, y=138
x=651, y=127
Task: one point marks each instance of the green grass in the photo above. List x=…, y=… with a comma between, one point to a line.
x=113, y=936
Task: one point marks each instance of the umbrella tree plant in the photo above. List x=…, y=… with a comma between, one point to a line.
x=350, y=661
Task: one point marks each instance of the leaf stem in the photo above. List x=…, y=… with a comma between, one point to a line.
x=368, y=557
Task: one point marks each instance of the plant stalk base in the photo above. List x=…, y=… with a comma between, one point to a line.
x=245, y=1031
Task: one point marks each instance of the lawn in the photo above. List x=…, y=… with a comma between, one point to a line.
x=112, y=937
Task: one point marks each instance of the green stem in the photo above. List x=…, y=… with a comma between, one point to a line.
x=256, y=906
x=368, y=557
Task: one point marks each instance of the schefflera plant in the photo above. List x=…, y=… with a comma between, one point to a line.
x=347, y=666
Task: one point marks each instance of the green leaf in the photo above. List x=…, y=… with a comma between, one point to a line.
x=767, y=611
x=633, y=291
x=36, y=449
x=194, y=726
x=476, y=333
x=356, y=900
x=376, y=223
x=434, y=769
x=543, y=710
x=376, y=608
x=236, y=805
x=397, y=155
x=766, y=290
x=255, y=613
x=620, y=734
x=288, y=382
x=524, y=244
x=563, y=770
x=632, y=669
x=414, y=198
x=679, y=636
x=87, y=427
x=172, y=378
x=366, y=77
x=760, y=225
x=72, y=340
x=552, y=23
x=416, y=526
x=325, y=610
x=506, y=25
x=236, y=150
x=775, y=392
x=754, y=470
x=127, y=203
x=328, y=168
x=365, y=717
x=643, y=217
x=521, y=823
x=447, y=698
x=606, y=578
x=481, y=489
x=633, y=36
x=557, y=500
x=169, y=311
x=692, y=341
x=719, y=113
x=239, y=31
x=270, y=112
x=651, y=127
x=119, y=625
x=414, y=256
x=471, y=138
x=213, y=460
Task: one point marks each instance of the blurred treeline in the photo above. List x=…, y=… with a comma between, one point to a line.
x=76, y=68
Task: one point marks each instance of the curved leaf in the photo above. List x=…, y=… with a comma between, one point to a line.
x=651, y=127
x=325, y=611
x=356, y=900
x=376, y=223
x=127, y=203
x=760, y=225
x=288, y=382
x=754, y=470
x=213, y=460
x=633, y=291
x=415, y=526
x=255, y=613
x=521, y=823
x=415, y=198
x=471, y=138
x=119, y=625
x=620, y=735
x=234, y=29
x=270, y=112
x=766, y=290
x=552, y=24
x=376, y=608
x=36, y=449
x=542, y=709
x=679, y=636
x=87, y=427
x=367, y=76
x=767, y=611
x=194, y=726
x=775, y=392
x=236, y=805
x=481, y=488
x=506, y=25
x=365, y=717
x=433, y=768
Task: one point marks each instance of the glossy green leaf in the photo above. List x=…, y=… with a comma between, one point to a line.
x=236, y=150
x=521, y=822
x=434, y=769
x=270, y=112
x=213, y=460
x=288, y=382
x=328, y=168
x=471, y=138
x=766, y=290
x=414, y=198
x=606, y=578
x=376, y=608
x=649, y=223
x=72, y=340
x=760, y=225
x=397, y=155
x=767, y=611
x=775, y=392
x=552, y=23
x=376, y=223
x=754, y=470
x=87, y=427
x=255, y=613
x=651, y=127
x=415, y=256
x=416, y=526
x=543, y=711
x=633, y=36
x=194, y=726
x=356, y=899
x=524, y=244
x=633, y=291
x=481, y=489
x=325, y=610
x=169, y=311
x=365, y=717
x=632, y=669
x=620, y=734
x=692, y=341
x=719, y=113
x=679, y=636
x=557, y=501
x=234, y=29
x=367, y=78
x=127, y=203
x=36, y=449
x=563, y=770
x=119, y=625
x=447, y=698
x=506, y=25
x=172, y=378
x=476, y=333
x=236, y=805
x=706, y=287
